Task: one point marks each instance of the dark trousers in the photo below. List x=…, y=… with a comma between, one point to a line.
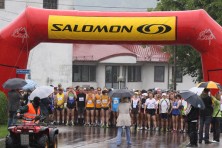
x=216, y=128
x=192, y=132
x=204, y=122
x=12, y=118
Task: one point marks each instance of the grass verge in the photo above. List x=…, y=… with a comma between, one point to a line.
x=3, y=131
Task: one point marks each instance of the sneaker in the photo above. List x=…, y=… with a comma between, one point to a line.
x=157, y=128
x=215, y=141
x=208, y=142
x=148, y=129
x=145, y=128
x=191, y=145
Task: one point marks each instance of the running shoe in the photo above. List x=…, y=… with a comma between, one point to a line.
x=157, y=128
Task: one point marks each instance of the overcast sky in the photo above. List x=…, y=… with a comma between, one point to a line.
x=114, y=5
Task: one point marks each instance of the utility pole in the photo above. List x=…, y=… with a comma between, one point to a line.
x=174, y=69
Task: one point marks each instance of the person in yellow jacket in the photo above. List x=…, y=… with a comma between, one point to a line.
x=90, y=106
x=59, y=106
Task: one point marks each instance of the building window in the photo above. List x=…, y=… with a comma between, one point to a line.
x=179, y=74
x=50, y=4
x=84, y=73
x=2, y=4
x=159, y=72
x=134, y=73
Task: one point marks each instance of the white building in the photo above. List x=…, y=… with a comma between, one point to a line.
x=53, y=63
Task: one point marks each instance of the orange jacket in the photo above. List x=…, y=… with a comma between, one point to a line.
x=31, y=114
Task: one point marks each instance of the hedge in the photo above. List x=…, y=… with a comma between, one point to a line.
x=3, y=108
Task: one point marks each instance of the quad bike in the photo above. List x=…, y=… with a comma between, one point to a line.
x=30, y=133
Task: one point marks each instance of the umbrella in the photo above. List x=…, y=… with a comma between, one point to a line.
x=210, y=85
x=120, y=93
x=14, y=83
x=41, y=92
x=193, y=99
x=197, y=90
x=30, y=85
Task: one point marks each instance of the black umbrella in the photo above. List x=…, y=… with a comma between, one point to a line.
x=193, y=99
x=14, y=83
x=120, y=93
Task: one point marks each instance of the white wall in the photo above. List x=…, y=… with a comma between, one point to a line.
x=51, y=63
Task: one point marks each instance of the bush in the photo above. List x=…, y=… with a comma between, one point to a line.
x=3, y=108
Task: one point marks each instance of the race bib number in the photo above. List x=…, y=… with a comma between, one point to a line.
x=71, y=98
x=89, y=102
x=143, y=105
x=81, y=98
x=115, y=102
x=104, y=101
x=134, y=104
x=151, y=106
x=98, y=101
x=59, y=99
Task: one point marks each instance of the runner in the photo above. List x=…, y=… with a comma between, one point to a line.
x=151, y=107
x=143, y=121
x=175, y=112
x=105, y=108
x=80, y=105
x=114, y=107
x=90, y=105
x=164, y=106
x=71, y=104
x=135, y=101
x=59, y=106
x=98, y=107
x=183, y=107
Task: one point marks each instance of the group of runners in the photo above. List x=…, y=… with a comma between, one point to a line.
x=150, y=110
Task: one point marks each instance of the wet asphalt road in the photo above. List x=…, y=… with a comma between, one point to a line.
x=95, y=137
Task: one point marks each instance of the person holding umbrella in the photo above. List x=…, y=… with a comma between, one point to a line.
x=123, y=120
x=194, y=105
x=14, y=98
x=192, y=114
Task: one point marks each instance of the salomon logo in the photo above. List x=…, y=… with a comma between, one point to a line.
x=154, y=28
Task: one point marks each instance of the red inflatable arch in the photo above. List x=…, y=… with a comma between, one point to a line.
x=195, y=28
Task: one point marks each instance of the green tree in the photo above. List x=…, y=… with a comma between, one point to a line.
x=188, y=58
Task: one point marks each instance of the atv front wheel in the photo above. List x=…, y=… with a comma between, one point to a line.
x=43, y=142
x=54, y=142
x=9, y=142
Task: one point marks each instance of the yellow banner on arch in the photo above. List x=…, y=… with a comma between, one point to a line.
x=112, y=28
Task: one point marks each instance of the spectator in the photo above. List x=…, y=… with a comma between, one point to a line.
x=123, y=120
x=192, y=118
x=205, y=117
x=216, y=118
x=45, y=108
x=14, y=98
